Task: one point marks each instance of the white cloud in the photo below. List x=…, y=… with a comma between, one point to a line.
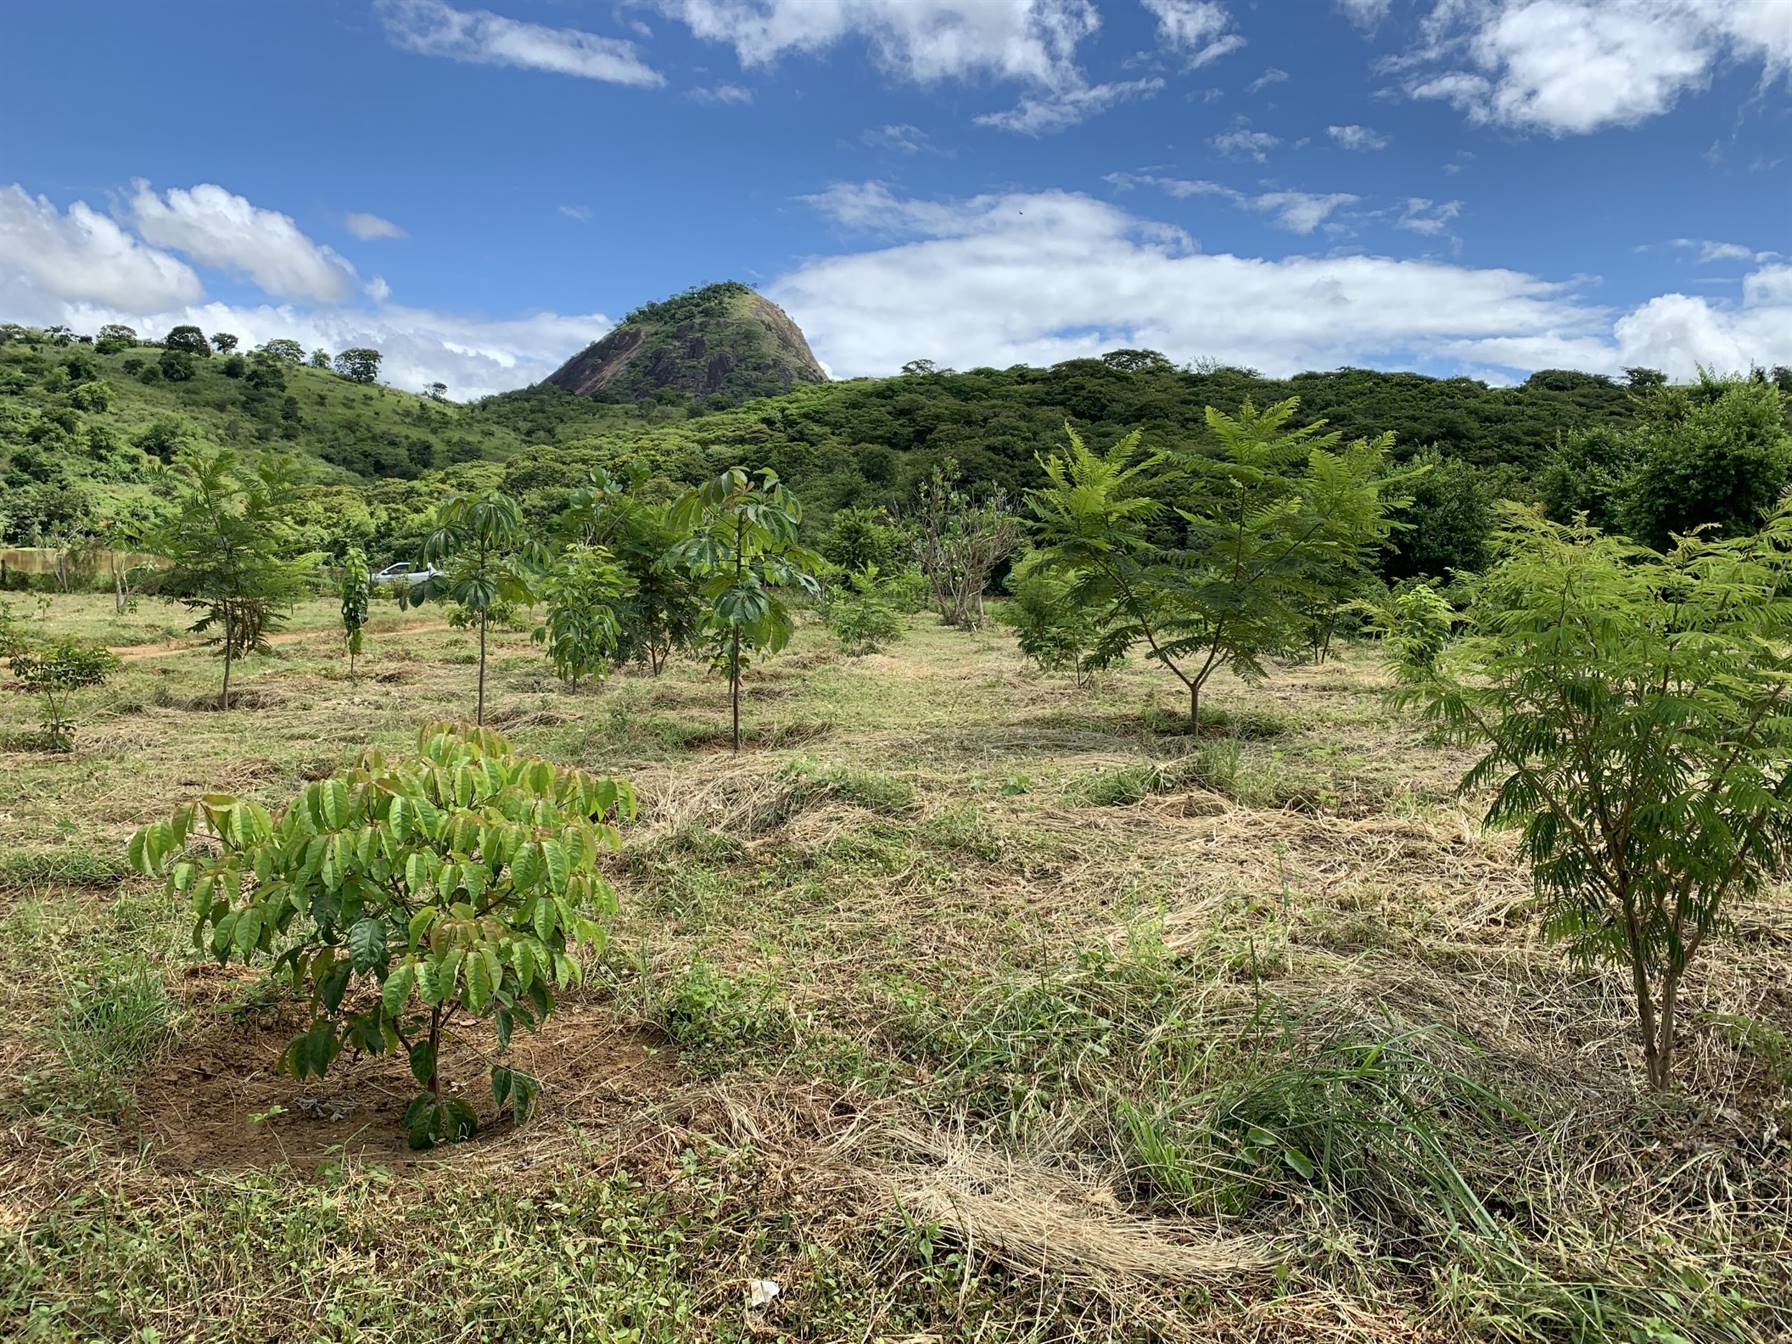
x=1569, y=67
x=1041, y=114
x=219, y=228
x=475, y=356
x=1040, y=277
x=1267, y=78
x=1199, y=28
x=1046, y=276
x=924, y=41
x=1242, y=142
x=1357, y=137
x=1301, y=211
x=368, y=227
x=1421, y=215
x=81, y=269
x=1296, y=211
x=735, y=95
x=49, y=258
x=1365, y=14
x=900, y=139
x=1710, y=250
x=480, y=37
x=582, y=213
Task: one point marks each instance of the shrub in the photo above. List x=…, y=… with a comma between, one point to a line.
x=56, y=672
x=582, y=633
x=1052, y=623
x=403, y=893
x=860, y=616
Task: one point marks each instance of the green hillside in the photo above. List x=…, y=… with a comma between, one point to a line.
x=84, y=430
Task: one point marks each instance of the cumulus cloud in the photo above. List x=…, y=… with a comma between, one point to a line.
x=82, y=270
x=369, y=227
x=1046, y=276
x=219, y=228
x=480, y=37
x=1570, y=67
x=49, y=257
x=1201, y=29
x=1357, y=137
x=475, y=356
x=1267, y=78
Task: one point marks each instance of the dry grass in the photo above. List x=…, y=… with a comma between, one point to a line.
x=963, y=1003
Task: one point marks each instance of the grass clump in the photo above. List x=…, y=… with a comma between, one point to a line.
x=106, y=1028
x=874, y=790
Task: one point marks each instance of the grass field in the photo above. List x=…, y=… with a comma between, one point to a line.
x=963, y=1005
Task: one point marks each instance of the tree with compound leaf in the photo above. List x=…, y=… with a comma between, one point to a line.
x=741, y=542
x=1631, y=710
x=403, y=894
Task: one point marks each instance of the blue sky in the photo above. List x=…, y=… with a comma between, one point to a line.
x=1458, y=186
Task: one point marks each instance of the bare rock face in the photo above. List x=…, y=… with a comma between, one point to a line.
x=719, y=341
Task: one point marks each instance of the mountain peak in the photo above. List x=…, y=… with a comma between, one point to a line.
x=723, y=340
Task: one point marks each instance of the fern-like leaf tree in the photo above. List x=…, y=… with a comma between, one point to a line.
x=225, y=545
x=1214, y=558
x=1634, y=714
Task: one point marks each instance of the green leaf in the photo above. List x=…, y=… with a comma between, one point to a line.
x=423, y=1062
x=505, y=1022
x=479, y=983
x=397, y=989
x=334, y=799
x=247, y=933
x=367, y=944
x=545, y=915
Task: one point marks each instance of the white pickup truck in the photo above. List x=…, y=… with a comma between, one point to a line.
x=406, y=573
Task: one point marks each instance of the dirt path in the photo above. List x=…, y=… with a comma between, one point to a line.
x=131, y=653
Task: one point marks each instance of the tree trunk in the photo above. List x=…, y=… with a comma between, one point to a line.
x=229, y=650
x=1194, y=708
x=1664, y=1032
x=1655, y=1059
x=117, y=588
x=435, y=1043
x=734, y=687
x=479, y=712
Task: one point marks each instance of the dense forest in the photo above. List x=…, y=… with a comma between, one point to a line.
x=88, y=424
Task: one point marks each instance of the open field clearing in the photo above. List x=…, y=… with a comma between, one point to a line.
x=962, y=1004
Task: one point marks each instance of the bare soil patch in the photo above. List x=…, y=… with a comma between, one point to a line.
x=220, y=1105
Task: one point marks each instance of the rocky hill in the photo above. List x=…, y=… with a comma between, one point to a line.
x=722, y=342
